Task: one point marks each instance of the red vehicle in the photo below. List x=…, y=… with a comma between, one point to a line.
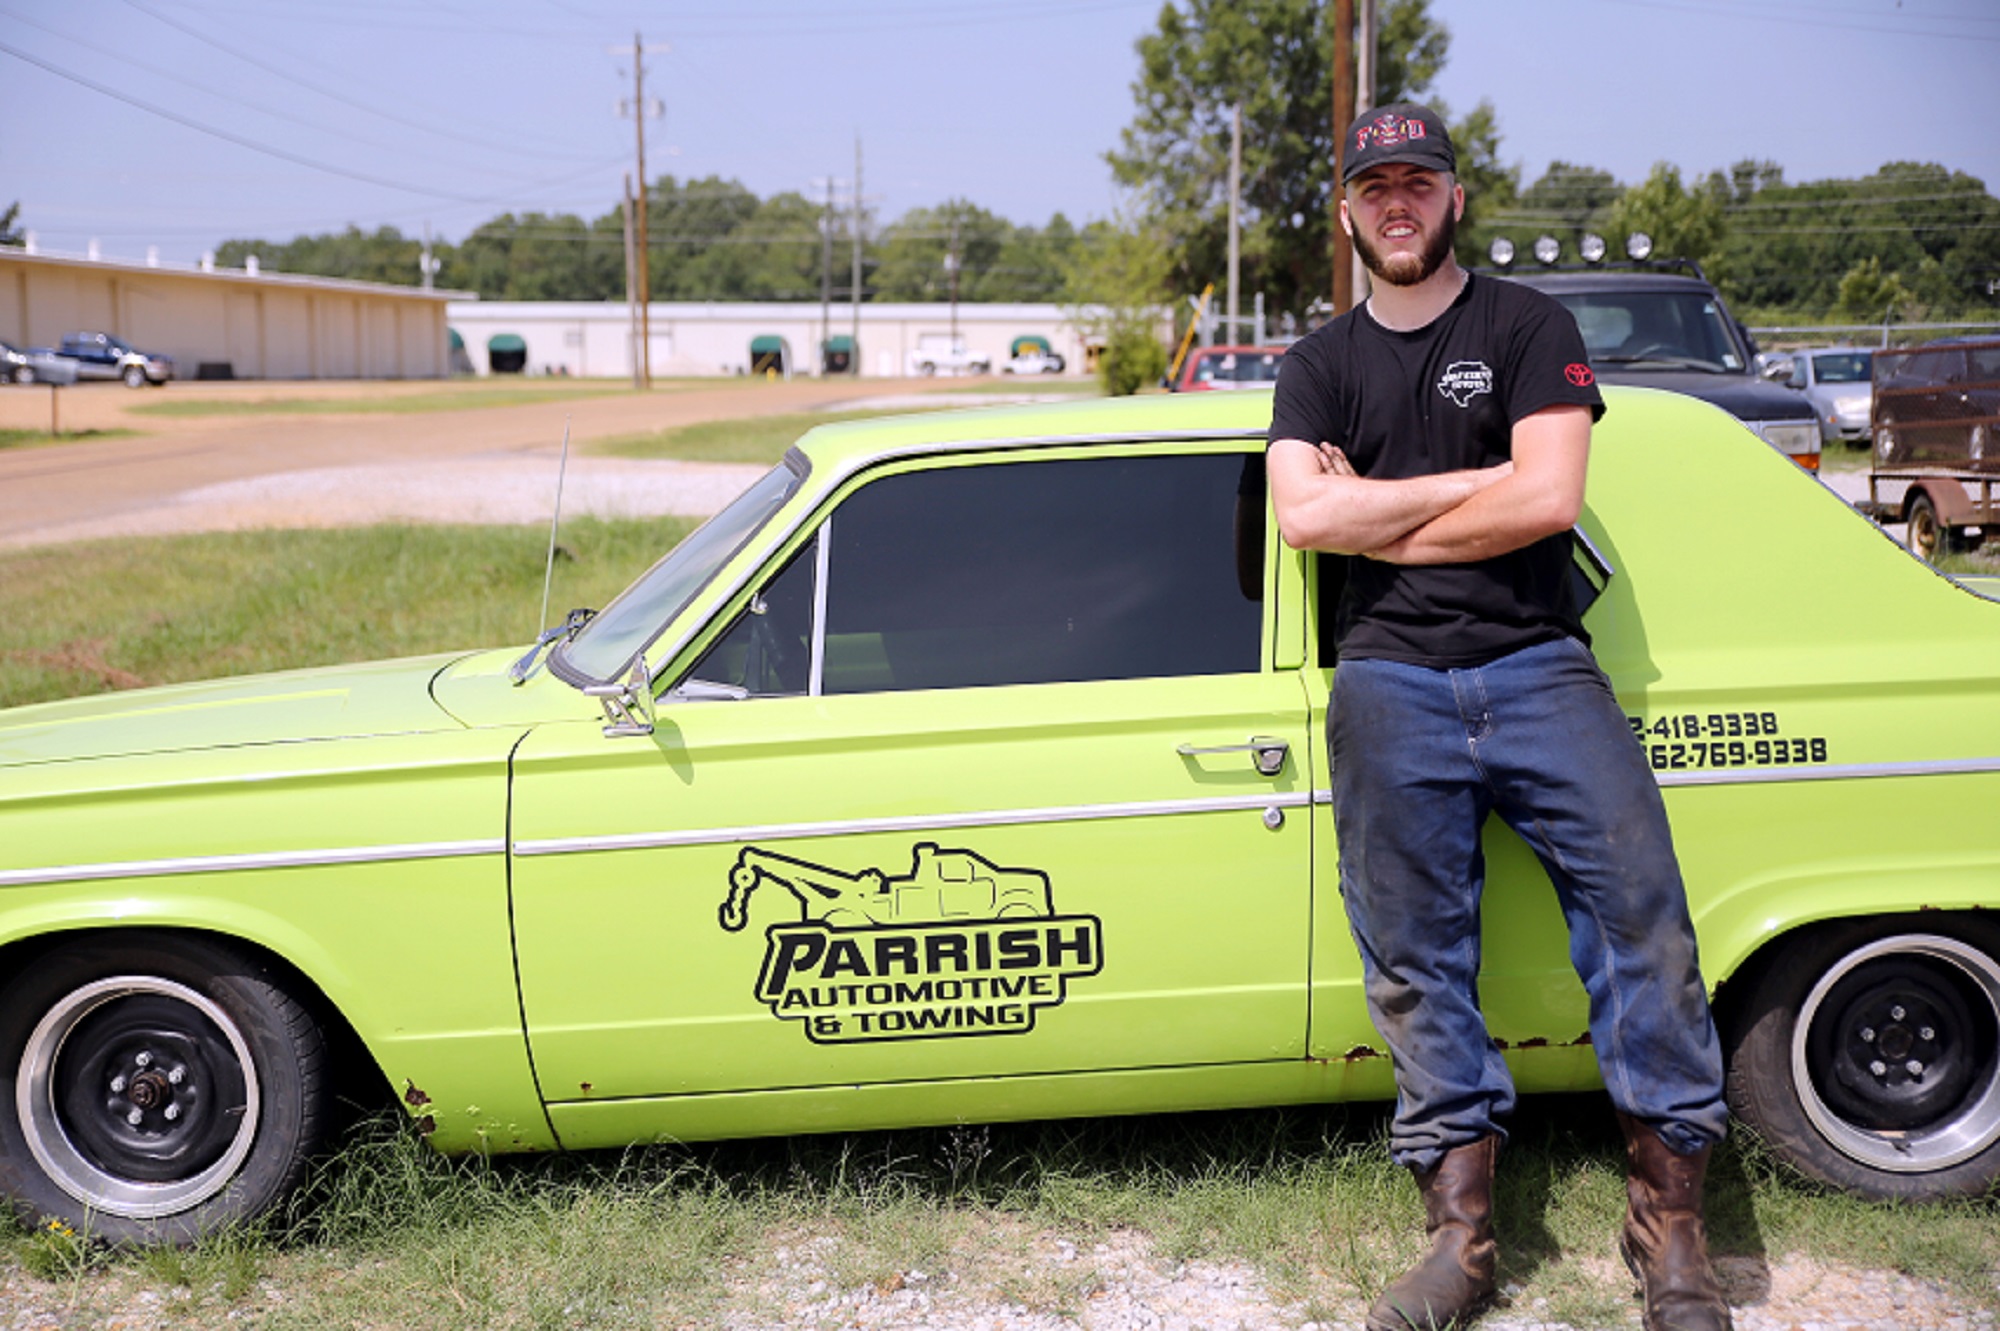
x=1228, y=367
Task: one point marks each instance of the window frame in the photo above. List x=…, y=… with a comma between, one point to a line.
x=817, y=525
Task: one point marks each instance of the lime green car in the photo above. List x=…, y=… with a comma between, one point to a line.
x=969, y=767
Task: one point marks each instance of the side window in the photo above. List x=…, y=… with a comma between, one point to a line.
x=1038, y=572
x=767, y=652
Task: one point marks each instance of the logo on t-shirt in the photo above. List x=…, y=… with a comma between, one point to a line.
x=1465, y=380
x=1579, y=375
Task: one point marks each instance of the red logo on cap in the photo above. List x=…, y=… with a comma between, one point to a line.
x=1388, y=132
x=1579, y=375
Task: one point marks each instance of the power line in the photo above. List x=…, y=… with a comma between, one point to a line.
x=268, y=150
x=338, y=96
x=209, y=89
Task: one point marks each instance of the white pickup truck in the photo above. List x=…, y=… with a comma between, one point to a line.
x=942, y=353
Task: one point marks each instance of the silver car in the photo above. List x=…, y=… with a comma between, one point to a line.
x=1836, y=380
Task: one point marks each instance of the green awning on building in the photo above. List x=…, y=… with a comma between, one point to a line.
x=767, y=344
x=457, y=342
x=506, y=342
x=1029, y=342
x=838, y=342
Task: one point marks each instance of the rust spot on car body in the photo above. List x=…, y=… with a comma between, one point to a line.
x=1359, y=1052
x=413, y=1095
x=426, y=1126
x=584, y=1086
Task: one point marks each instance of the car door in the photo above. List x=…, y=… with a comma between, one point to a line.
x=987, y=775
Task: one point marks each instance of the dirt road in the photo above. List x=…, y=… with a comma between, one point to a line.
x=483, y=463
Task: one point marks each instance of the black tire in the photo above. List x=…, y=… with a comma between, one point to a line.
x=1868, y=1055
x=224, y=1072
x=1927, y=538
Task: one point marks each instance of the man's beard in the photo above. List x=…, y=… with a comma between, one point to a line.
x=1405, y=269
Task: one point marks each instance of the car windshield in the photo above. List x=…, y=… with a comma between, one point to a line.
x=1845, y=367
x=605, y=647
x=1646, y=330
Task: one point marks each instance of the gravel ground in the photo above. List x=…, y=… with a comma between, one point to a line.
x=1119, y=1284
x=473, y=490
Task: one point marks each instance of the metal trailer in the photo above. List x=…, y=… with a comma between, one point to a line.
x=1935, y=428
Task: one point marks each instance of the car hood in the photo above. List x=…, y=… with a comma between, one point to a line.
x=1743, y=396
x=384, y=698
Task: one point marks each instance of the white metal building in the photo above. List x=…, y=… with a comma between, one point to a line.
x=229, y=322
x=723, y=338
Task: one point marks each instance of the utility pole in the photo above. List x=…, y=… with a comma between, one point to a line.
x=427, y=263
x=1235, y=215
x=631, y=287
x=1364, y=101
x=640, y=109
x=951, y=268
x=826, y=276
x=854, y=292
x=1343, y=117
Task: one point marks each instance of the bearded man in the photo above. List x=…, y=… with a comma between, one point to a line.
x=1438, y=436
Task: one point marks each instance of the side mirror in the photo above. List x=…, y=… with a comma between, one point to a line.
x=628, y=706
x=1777, y=369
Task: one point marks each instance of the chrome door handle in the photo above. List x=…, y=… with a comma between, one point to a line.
x=1268, y=754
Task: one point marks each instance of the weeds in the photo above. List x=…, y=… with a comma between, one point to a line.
x=1042, y=1216
x=120, y=614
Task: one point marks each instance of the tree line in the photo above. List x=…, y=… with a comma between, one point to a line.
x=1912, y=241
x=711, y=239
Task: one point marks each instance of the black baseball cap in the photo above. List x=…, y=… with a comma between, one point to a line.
x=1399, y=132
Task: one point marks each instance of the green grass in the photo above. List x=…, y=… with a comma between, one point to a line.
x=40, y=438
x=1840, y=457
x=117, y=614
x=686, y=1235
x=452, y=399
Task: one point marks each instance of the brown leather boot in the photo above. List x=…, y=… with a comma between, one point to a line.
x=1454, y=1280
x=1665, y=1242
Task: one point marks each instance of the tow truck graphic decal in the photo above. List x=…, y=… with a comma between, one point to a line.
x=959, y=946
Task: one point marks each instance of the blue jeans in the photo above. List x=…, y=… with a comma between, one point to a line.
x=1420, y=758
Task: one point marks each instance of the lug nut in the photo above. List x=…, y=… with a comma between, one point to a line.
x=1867, y=1034
x=145, y=1060
x=1914, y=1068
x=118, y=1084
x=173, y=1112
x=1926, y=1033
x=1879, y=1068
x=1897, y=1013
x=135, y=1118
x=177, y=1076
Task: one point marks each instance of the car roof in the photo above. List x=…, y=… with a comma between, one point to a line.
x=1147, y=416
x=1605, y=279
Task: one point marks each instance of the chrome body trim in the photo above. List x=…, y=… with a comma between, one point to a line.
x=290, y=859
x=941, y=822
x=437, y=850
x=1831, y=772
x=816, y=674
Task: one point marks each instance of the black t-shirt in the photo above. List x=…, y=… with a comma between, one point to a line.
x=1443, y=398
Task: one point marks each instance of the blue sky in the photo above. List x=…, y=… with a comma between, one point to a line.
x=218, y=118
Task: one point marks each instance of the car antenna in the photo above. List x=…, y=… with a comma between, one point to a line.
x=575, y=619
x=555, y=519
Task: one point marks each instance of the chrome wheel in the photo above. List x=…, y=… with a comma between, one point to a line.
x=1896, y=1053
x=138, y=1097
